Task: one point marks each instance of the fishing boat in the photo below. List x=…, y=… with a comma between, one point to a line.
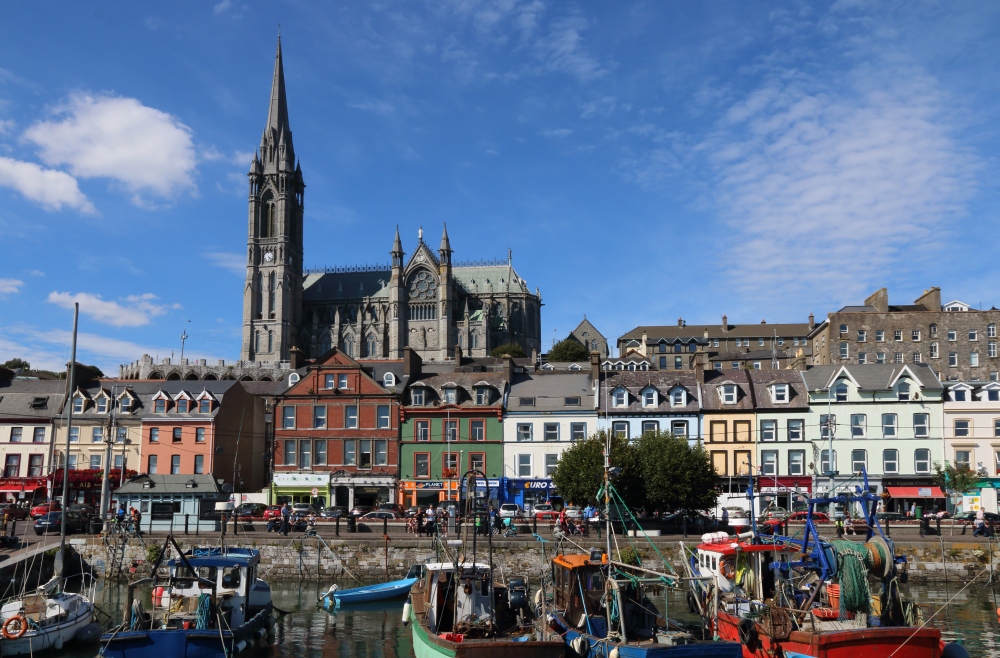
x=336, y=597
x=807, y=596
x=211, y=604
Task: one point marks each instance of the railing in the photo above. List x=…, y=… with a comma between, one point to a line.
x=484, y=262
x=348, y=269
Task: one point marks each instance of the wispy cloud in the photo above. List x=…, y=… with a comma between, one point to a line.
x=229, y=261
x=10, y=286
x=50, y=188
x=562, y=50
x=380, y=107
x=99, y=136
x=132, y=311
x=557, y=132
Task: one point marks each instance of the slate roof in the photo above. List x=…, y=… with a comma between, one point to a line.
x=762, y=380
x=711, y=399
x=377, y=369
x=466, y=381
x=345, y=286
x=145, y=390
x=17, y=396
x=697, y=331
x=550, y=390
x=663, y=381
x=871, y=376
x=163, y=484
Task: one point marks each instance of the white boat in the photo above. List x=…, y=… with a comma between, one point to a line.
x=40, y=621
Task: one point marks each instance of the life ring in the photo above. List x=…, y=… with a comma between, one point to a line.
x=20, y=623
x=727, y=567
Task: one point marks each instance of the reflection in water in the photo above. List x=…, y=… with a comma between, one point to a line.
x=375, y=630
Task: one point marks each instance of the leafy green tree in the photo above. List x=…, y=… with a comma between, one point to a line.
x=677, y=476
x=513, y=349
x=955, y=478
x=568, y=349
x=14, y=364
x=580, y=473
x=85, y=373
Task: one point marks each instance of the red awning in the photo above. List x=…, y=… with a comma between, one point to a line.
x=916, y=492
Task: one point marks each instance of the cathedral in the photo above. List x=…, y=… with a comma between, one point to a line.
x=435, y=306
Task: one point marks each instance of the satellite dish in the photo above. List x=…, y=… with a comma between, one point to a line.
x=227, y=488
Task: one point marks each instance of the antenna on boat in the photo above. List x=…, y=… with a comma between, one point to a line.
x=69, y=432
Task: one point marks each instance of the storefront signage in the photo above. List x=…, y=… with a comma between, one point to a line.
x=488, y=483
x=972, y=503
x=538, y=485
x=924, y=492
x=369, y=490
x=28, y=483
x=305, y=480
x=428, y=485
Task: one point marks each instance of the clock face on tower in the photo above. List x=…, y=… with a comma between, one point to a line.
x=268, y=256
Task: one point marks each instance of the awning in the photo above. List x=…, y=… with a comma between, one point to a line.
x=916, y=492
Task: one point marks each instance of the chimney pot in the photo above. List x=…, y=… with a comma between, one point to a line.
x=680, y=322
x=725, y=323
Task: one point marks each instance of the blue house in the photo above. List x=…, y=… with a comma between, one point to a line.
x=173, y=503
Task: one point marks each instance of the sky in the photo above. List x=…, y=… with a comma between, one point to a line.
x=644, y=161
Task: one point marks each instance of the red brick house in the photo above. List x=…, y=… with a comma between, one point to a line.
x=337, y=432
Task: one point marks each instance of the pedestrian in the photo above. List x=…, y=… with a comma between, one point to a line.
x=849, y=525
x=443, y=522
x=286, y=514
x=840, y=527
x=562, y=519
x=913, y=511
x=725, y=517
x=980, y=523
x=420, y=517
x=6, y=520
x=431, y=520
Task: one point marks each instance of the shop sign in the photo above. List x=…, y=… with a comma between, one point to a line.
x=302, y=479
x=369, y=490
x=428, y=485
x=538, y=485
x=29, y=484
x=972, y=503
x=924, y=492
x=488, y=483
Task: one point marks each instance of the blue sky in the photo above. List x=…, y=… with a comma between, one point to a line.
x=644, y=161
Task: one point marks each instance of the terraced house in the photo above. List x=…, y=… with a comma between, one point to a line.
x=27, y=409
x=972, y=437
x=728, y=422
x=783, y=454
x=632, y=403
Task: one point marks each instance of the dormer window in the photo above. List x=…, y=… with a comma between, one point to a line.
x=903, y=391
x=649, y=398
x=417, y=397
x=388, y=380
x=125, y=404
x=779, y=393
x=677, y=397
x=620, y=397
x=841, y=392
x=102, y=405
x=78, y=405
x=182, y=406
x=160, y=406
x=204, y=406
x=482, y=395
x=450, y=396
x=663, y=348
x=728, y=394
x=958, y=395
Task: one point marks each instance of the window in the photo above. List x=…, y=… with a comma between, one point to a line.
x=843, y=329
x=760, y=342
x=350, y=452
x=571, y=402
x=329, y=380
x=524, y=431
x=38, y=436
x=382, y=412
x=717, y=366
x=862, y=357
x=182, y=406
x=795, y=426
x=620, y=429
x=780, y=393
x=449, y=461
x=663, y=363
x=678, y=363
x=12, y=466
x=342, y=380
x=477, y=461
x=963, y=458
x=121, y=435
x=450, y=430
x=934, y=350
x=482, y=395
x=736, y=365
x=619, y=397
x=288, y=418
x=524, y=466
x=922, y=460
x=768, y=430
x=388, y=380
x=365, y=453
x=78, y=405
x=649, y=398
x=862, y=335
x=961, y=428
x=952, y=335
x=96, y=435
x=577, y=431
x=422, y=465
x=880, y=357
x=897, y=357
x=879, y=336
x=526, y=402
x=903, y=392
x=915, y=335
x=679, y=428
x=204, y=406
x=150, y=464
x=958, y=395
x=921, y=425
x=796, y=462
x=450, y=396
x=845, y=350
x=953, y=359
x=678, y=347
x=650, y=426
x=973, y=334
x=662, y=347
x=551, y=461
x=477, y=430
x=859, y=460
x=176, y=434
x=175, y=465
x=15, y=434
x=199, y=435
x=840, y=393
x=715, y=342
x=933, y=330
x=74, y=435
x=991, y=349
x=769, y=462
x=826, y=423
x=319, y=417
x=289, y=452
x=897, y=335
x=859, y=424
x=199, y=464
x=890, y=461
x=351, y=416
x=888, y=425
x=991, y=331
x=35, y=465
x=417, y=397
x=551, y=431
x=993, y=395
x=95, y=462
x=916, y=357
x=825, y=466
x=974, y=359
x=422, y=429
x=102, y=405
x=729, y=394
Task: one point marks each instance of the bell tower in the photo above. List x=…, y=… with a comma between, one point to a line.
x=272, y=293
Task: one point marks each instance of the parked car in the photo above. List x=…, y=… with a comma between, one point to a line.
x=361, y=510
x=52, y=522
x=970, y=517
x=773, y=512
x=15, y=512
x=272, y=512
x=510, y=511
x=39, y=511
x=250, y=510
x=573, y=512
x=818, y=517
x=378, y=515
x=303, y=508
x=544, y=511
x=83, y=509
x=894, y=516
x=412, y=511
x=333, y=512
x=391, y=507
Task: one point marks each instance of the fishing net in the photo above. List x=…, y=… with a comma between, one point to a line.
x=853, y=564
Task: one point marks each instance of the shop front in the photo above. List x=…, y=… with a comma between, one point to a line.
x=905, y=494
x=352, y=489
x=787, y=492
x=427, y=492
x=23, y=490
x=527, y=493
x=487, y=492
x=313, y=488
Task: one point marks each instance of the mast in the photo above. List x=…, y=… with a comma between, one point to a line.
x=69, y=431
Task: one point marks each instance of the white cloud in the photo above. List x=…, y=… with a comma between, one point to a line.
x=557, y=132
x=222, y=7
x=10, y=286
x=233, y=262
x=136, y=311
x=380, y=107
x=36, y=273
x=146, y=150
x=6, y=125
x=50, y=188
x=562, y=51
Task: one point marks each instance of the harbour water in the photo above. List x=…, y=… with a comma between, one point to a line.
x=376, y=630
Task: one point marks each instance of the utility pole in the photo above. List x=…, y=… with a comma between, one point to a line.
x=69, y=430
x=184, y=337
x=112, y=428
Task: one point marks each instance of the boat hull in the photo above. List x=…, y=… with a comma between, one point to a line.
x=381, y=592
x=189, y=643
x=429, y=645
x=854, y=643
x=54, y=637
x=599, y=648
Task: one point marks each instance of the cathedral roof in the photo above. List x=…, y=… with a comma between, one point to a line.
x=336, y=285
x=478, y=279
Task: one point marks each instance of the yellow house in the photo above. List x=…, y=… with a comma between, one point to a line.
x=728, y=422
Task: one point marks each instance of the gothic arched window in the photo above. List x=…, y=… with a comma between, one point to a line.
x=473, y=340
x=259, y=295
x=256, y=341
x=593, y=346
x=270, y=341
x=349, y=346
x=267, y=218
x=272, y=287
x=371, y=348
x=423, y=286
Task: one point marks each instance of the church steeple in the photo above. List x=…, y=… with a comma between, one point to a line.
x=277, y=115
x=444, y=252
x=397, y=250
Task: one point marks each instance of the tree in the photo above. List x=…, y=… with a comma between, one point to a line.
x=512, y=349
x=85, y=373
x=568, y=349
x=956, y=478
x=15, y=364
x=677, y=476
x=580, y=473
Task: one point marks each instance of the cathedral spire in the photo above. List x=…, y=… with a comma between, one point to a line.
x=445, y=250
x=397, y=250
x=277, y=114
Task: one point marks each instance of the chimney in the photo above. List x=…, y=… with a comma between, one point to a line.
x=812, y=321
x=931, y=299
x=294, y=358
x=879, y=300
x=705, y=334
x=508, y=368
x=458, y=355
x=595, y=366
x=642, y=348
x=680, y=322
x=725, y=324
x=411, y=363
x=534, y=357
x=763, y=321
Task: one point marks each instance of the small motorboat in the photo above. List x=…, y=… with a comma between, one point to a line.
x=42, y=620
x=336, y=597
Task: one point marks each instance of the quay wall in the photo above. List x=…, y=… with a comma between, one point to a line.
x=347, y=561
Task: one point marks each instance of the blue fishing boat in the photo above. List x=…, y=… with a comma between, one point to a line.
x=211, y=604
x=335, y=597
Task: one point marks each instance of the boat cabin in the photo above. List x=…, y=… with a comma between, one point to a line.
x=578, y=581
x=728, y=560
